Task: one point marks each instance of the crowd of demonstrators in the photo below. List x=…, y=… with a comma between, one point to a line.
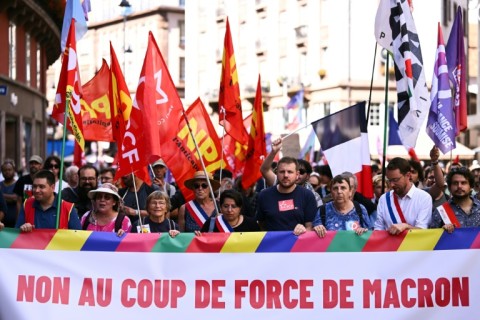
x=7, y=187
x=230, y=218
x=290, y=196
x=158, y=206
x=342, y=213
x=105, y=215
x=193, y=214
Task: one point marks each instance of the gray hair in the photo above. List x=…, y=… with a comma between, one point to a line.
x=351, y=175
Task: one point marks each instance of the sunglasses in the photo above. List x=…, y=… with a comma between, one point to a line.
x=302, y=171
x=53, y=166
x=202, y=185
x=459, y=169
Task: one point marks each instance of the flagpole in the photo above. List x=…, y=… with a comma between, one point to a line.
x=222, y=112
x=384, y=157
x=201, y=160
x=136, y=199
x=295, y=131
x=371, y=82
x=68, y=95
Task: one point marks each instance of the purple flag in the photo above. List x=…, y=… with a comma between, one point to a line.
x=441, y=122
x=457, y=71
x=393, y=137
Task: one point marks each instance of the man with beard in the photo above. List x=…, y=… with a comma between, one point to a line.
x=88, y=180
x=23, y=186
x=462, y=209
x=405, y=206
x=286, y=206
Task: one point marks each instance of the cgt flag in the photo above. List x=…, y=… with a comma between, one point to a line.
x=457, y=70
x=256, y=151
x=395, y=31
x=344, y=141
x=441, y=122
x=70, y=88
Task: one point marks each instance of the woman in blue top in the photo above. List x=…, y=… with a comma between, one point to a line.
x=342, y=213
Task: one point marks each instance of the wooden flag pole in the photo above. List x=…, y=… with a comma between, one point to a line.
x=68, y=96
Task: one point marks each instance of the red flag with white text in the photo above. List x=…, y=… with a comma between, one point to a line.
x=257, y=148
x=127, y=129
x=69, y=86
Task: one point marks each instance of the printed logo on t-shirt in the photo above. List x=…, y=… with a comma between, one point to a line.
x=286, y=205
x=143, y=229
x=352, y=225
x=27, y=191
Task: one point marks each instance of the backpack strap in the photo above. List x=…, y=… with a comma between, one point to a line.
x=358, y=209
x=86, y=222
x=119, y=221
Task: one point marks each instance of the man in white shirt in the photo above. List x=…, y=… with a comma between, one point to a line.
x=405, y=206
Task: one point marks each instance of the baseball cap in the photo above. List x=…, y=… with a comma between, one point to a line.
x=159, y=162
x=36, y=158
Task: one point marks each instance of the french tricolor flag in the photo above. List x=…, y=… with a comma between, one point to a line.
x=344, y=141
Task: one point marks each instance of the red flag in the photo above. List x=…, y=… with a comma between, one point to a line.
x=78, y=156
x=180, y=154
x=127, y=126
x=229, y=101
x=158, y=99
x=257, y=148
x=96, y=115
x=236, y=152
x=69, y=85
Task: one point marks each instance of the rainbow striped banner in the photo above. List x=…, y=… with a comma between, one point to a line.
x=248, y=242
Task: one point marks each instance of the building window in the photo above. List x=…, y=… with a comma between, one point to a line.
x=12, y=59
x=374, y=115
x=182, y=70
x=181, y=27
x=28, y=64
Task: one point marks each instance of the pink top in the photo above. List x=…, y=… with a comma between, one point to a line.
x=109, y=227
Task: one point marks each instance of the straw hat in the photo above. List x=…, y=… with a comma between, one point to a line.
x=105, y=188
x=200, y=175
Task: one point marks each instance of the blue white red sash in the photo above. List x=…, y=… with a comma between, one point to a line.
x=223, y=225
x=394, y=209
x=196, y=212
x=448, y=215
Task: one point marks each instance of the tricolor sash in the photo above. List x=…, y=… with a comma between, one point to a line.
x=197, y=212
x=394, y=209
x=448, y=215
x=223, y=225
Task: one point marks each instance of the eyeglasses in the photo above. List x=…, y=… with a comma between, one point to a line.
x=395, y=180
x=302, y=171
x=202, y=185
x=88, y=179
x=459, y=169
x=105, y=196
x=53, y=166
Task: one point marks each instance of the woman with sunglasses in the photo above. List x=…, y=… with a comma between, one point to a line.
x=105, y=215
x=193, y=214
x=230, y=219
x=52, y=164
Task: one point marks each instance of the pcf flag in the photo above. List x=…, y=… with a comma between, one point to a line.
x=229, y=100
x=441, y=122
x=70, y=88
x=256, y=151
x=127, y=129
x=457, y=70
x=395, y=30
x=344, y=141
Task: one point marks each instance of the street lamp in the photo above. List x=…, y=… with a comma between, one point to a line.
x=127, y=10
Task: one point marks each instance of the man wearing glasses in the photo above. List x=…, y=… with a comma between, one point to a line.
x=462, y=209
x=405, y=206
x=87, y=181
